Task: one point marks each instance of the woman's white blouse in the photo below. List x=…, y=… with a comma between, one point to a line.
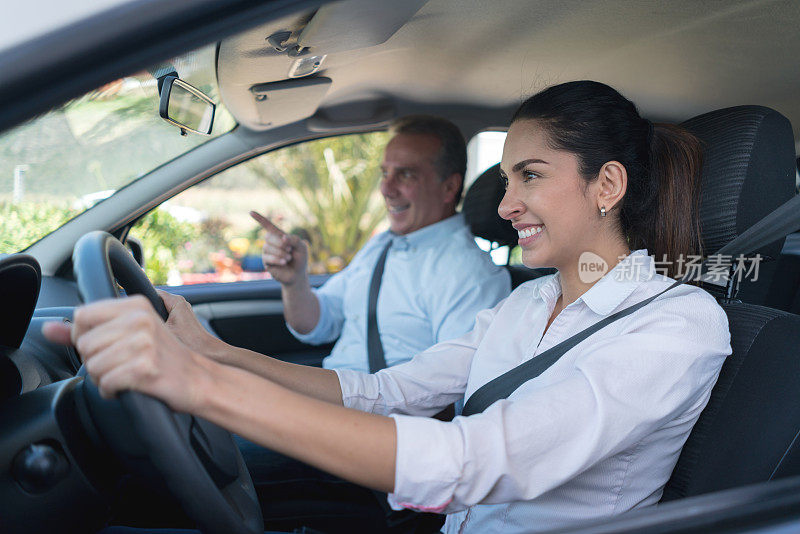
x=596, y=434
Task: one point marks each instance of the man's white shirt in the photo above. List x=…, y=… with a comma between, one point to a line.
x=435, y=281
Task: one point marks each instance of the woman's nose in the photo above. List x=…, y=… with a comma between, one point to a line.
x=510, y=208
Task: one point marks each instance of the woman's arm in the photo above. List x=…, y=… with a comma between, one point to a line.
x=350, y=444
x=125, y=346
x=319, y=383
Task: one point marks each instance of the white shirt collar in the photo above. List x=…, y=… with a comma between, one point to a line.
x=430, y=234
x=611, y=290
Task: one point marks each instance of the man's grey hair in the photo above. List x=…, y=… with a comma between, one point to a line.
x=452, y=156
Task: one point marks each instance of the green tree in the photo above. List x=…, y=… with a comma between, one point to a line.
x=330, y=188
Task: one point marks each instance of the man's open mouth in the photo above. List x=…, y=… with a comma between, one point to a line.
x=398, y=209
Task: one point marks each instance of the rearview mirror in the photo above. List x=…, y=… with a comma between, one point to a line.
x=186, y=106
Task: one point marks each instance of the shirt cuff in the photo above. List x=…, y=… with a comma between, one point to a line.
x=360, y=390
x=317, y=334
x=429, y=464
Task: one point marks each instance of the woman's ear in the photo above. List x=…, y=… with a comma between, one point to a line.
x=612, y=182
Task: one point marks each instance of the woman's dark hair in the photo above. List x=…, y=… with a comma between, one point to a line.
x=660, y=208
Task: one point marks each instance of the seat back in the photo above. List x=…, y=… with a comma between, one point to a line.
x=480, y=211
x=748, y=431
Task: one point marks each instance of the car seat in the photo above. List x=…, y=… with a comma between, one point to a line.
x=748, y=431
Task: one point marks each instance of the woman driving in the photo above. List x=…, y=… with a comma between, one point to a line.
x=595, y=191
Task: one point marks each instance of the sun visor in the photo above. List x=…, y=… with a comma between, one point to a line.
x=359, y=114
x=288, y=101
x=353, y=24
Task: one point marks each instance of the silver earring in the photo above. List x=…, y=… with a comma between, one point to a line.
x=603, y=211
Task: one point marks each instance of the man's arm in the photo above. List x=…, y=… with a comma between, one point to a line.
x=285, y=257
x=453, y=316
x=300, y=306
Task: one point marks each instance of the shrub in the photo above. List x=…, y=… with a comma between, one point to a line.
x=164, y=238
x=23, y=223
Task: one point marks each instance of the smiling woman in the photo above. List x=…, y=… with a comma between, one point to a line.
x=62, y=163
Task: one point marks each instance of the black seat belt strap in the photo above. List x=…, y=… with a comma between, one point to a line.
x=375, y=356
x=779, y=223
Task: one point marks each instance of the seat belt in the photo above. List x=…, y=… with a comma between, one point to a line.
x=780, y=222
x=375, y=355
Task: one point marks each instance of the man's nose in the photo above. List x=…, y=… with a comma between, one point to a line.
x=510, y=207
x=389, y=185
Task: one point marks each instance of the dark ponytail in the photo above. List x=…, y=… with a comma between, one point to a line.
x=675, y=162
x=597, y=124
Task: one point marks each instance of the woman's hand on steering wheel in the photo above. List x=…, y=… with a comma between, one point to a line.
x=126, y=346
x=183, y=323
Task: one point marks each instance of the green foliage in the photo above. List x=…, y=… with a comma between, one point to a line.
x=164, y=238
x=326, y=191
x=330, y=191
x=516, y=256
x=23, y=223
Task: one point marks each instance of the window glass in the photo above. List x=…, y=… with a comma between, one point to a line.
x=325, y=191
x=63, y=162
x=484, y=150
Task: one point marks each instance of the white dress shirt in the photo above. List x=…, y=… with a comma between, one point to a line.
x=435, y=282
x=596, y=434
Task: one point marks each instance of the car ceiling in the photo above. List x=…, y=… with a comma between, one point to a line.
x=674, y=59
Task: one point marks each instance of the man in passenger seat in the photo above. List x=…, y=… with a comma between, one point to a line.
x=435, y=278
x=433, y=283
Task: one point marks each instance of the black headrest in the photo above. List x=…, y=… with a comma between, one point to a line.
x=748, y=171
x=480, y=208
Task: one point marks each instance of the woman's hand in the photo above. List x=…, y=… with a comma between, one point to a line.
x=183, y=323
x=125, y=345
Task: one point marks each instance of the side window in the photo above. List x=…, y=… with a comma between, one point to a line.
x=484, y=150
x=325, y=191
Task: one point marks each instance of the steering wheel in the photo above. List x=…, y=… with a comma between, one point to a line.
x=198, y=460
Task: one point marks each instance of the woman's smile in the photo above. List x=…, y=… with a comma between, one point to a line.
x=528, y=233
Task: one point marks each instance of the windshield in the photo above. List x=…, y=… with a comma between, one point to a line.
x=59, y=164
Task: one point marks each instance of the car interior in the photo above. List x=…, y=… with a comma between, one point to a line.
x=289, y=73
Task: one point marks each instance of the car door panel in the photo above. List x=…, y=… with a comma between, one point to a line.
x=250, y=315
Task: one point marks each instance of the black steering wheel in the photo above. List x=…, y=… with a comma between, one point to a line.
x=199, y=461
